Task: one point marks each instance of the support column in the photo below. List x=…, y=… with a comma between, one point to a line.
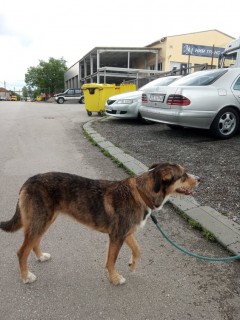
x=85, y=68
x=98, y=66
x=156, y=61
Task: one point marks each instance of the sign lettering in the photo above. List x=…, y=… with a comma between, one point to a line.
x=201, y=51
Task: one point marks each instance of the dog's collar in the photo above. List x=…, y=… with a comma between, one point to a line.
x=147, y=201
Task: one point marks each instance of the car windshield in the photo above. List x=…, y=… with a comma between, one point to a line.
x=165, y=81
x=200, y=78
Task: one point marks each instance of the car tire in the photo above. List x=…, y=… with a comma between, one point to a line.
x=60, y=100
x=144, y=121
x=89, y=113
x=174, y=126
x=81, y=100
x=226, y=123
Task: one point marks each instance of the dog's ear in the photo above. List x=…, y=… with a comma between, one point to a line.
x=167, y=174
x=157, y=179
x=157, y=185
x=164, y=175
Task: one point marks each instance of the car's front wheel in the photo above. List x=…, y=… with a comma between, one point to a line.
x=143, y=121
x=225, y=124
x=81, y=100
x=174, y=126
x=60, y=100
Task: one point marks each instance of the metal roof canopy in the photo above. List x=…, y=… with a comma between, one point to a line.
x=115, y=64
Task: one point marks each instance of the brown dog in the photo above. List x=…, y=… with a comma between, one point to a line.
x=113, y=207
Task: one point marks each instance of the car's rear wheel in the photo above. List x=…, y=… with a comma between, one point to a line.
x=60, y=100
x=225, y=124
x=89, y=113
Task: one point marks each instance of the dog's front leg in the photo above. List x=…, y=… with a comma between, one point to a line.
x=113, y=251
x=132, y=243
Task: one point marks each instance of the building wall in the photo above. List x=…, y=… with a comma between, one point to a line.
x=5, y=93
x=71, y=77
x=171, y=48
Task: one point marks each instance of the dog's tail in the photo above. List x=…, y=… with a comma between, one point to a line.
x=14, y=224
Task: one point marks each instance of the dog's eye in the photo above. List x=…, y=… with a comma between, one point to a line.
x=184, y=176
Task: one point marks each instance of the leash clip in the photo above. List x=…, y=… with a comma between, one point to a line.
x=154, y=219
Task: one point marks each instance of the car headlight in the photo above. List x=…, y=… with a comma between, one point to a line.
x=125, y=101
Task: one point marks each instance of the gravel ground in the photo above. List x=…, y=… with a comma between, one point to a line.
x=216, y=162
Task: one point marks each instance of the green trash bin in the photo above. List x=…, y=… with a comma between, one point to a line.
x=96, y=95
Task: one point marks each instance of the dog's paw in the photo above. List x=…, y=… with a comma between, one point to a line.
x=30, y=278
x=44, y=257
x=118, y=279
x=122, y=280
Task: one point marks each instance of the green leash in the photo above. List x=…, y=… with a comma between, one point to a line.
x=154, y=219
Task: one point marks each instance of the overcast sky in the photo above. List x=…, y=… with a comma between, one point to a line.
x=37, y=30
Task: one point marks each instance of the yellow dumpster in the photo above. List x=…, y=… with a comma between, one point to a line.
x=125, y=87
x=96, y=95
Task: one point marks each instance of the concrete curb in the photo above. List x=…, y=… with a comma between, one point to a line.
x=226, y=232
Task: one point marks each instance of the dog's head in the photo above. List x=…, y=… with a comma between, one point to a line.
x=164, y=180
x=173, y=179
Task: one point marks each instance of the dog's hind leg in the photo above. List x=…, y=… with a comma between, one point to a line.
x=41, y=256
x=132, y=243
x=23, y=253
x=43, y=227
x=33, y=234
x=113, y=251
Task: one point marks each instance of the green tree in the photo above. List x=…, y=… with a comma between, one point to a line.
x=25, y=91
x=47, y=77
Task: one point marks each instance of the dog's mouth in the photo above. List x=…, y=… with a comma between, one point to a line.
x=186, y=191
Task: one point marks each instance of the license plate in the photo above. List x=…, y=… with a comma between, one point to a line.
x=157, y=97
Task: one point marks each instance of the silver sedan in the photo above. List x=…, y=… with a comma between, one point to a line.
x=126, y=105
x=207, y=99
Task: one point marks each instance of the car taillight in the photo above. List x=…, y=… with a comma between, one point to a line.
x=144, y=98
x=178, y=100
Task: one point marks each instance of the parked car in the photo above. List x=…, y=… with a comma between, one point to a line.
x=70, y=95
x=207, y=99
x=126, y=105
x=3, y=98
x=13, y=98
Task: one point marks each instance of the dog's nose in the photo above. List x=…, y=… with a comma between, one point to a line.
x=197, y=178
